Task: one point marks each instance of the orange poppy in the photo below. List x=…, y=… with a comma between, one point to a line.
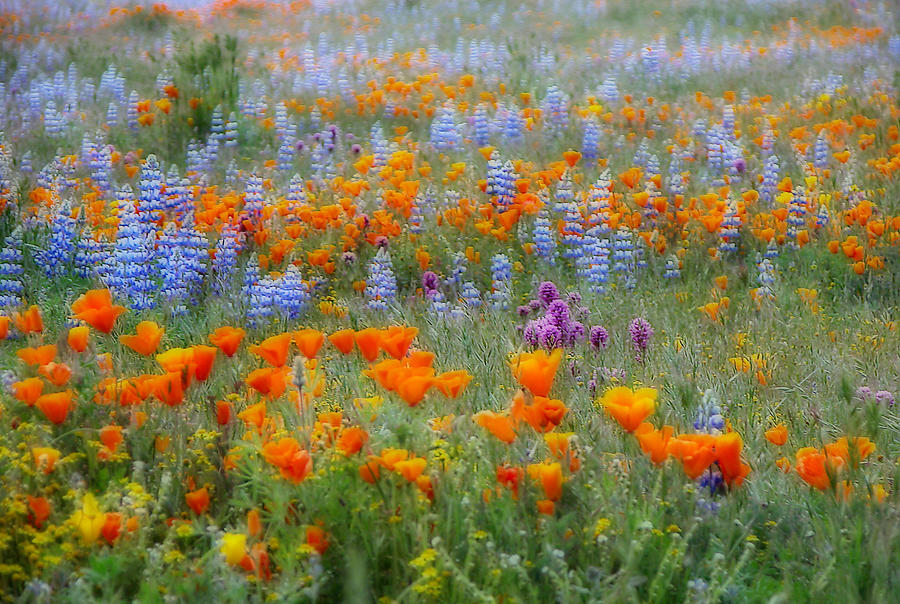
x=274, y=350
x=39, y=511
x=498, y=424
x=728, y=455
x=342, y=340
x=57, y=374
x=78, y=338
x=694, y=451
x=369, y=342
x=629, y=408
x=351, y=440
x=536, y=370
x=29, y=321
x=4, y=327
x=202, y=358
x=111, y=436
x=254, y=415
x=396, y=340
x=198, y=500
x=146, y=339
x=777, y=435
x=95, y=308
x=452, y=383
x=28, y=390
x=227, y=339
x=55, y=406
x=413, y=388
x=268, y=381
x=294, y=463
x=816, y=468
x=37, y=356
x=45, y=458
x=309, y=341
x=549, y=475
x=169, y=389
x=654, y=442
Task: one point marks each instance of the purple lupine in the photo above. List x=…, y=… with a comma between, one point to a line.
x=885, y=398
x=640, y=331
x=547, y=292
x=430, y=281
x=599, y=337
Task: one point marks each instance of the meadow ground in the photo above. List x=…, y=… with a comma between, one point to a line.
x=409, y=301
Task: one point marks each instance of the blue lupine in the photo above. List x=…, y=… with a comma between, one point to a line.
x=672, y=268
x=501, y=179
x=796, y=218
x=381, y=286
x=501, y=275
x=150, y=205
x=544, y=241
x=224, y=262
x=231, y=131
x=292, y=293
x=590, y=144
x=254, y=200
x=770, y=179
x=729, y=229
x=444, y=131
x=766, y=277
x=820, y=151
x=132, y=261
x=709, y=420
x=56, y=259
x=11, y=270
x=482, y=128
x=91, y=255
x=470, y=295
x=556, y=109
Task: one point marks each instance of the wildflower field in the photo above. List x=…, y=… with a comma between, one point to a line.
x=466, y=301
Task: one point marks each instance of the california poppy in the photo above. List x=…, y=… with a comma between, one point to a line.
x=728, y=456
x=342, y=340
x=78, y=338
x=396, y=340
x=628, y=407
x=45, y=458
x=39, y=511
x=40, y=355
x=28, y=390
x=536, y=370
x=203, y=358
x=498, y=424
x=653, y=442
x=452, y=383
x=111, y=436
x=351, y=440
x=309, y=341
x=198, y=500
x=274, y=350
x=268, y=381
x=816, y=468
x=29, y=321
x=55, y=406
x=368, y=341
x=227, y=339
x=694, y=451
x=777, y=435
x=549, y=475
x=146, y=339
x=294, y=463
x=95, y=308
x=168, y=389
x=410, y=469
x=57, y=374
